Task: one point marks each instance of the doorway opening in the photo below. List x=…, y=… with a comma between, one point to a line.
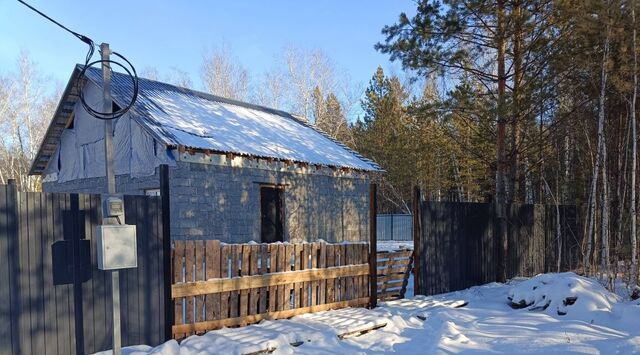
x=271, y=211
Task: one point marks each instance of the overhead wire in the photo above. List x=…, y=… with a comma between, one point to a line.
x=130, y=70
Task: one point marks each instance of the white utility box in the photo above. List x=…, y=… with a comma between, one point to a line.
x=117, y=248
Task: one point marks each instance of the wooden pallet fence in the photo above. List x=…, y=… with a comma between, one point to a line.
x=219, y=285
x=394, y=269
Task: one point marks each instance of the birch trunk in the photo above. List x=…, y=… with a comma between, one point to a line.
x=605, y=262
x=598, y=160
x=632, y=212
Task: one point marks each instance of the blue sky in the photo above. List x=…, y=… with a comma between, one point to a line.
x=163, y=34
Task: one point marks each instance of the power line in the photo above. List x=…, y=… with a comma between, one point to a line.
x=87, y=64
x=83, y=38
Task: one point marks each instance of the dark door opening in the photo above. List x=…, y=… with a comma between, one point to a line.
x=271, y=214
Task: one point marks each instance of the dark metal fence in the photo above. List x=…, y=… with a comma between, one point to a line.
x=53, y=299
x=458, y=244
x=394, y=227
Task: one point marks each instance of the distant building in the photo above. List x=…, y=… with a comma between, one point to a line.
x=238, y=172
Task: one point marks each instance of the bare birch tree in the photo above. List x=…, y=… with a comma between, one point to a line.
x=223, y=75
x=25, y=109
x=306, y=71
x=272, y=89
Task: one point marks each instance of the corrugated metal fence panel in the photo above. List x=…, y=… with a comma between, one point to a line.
x=396, y=227
x=51, y=301
x=460, y=244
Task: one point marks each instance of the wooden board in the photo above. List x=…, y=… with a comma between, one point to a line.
x=190, y=289
x=229, y=322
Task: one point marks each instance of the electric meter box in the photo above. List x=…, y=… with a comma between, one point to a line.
x=113, y=205
x=117, y=248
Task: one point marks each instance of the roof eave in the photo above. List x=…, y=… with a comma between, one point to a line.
x=64, y=111
x=374, y=169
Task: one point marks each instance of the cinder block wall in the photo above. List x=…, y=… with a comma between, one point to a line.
x=124, y=185
x=221, y=202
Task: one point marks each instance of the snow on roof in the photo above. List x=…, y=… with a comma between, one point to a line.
x=179, y=116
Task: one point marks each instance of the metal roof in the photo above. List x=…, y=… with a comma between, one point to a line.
x=187, y=118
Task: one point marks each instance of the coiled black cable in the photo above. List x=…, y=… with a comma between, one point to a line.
x=134, y=81
x=87, y=64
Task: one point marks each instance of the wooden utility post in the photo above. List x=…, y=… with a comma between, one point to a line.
x=373, y=246
x=105, y=53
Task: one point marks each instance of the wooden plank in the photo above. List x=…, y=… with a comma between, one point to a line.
x=245, y=270
x=392, y=284
x=331, y=283
x=394, y=270
x=315, y=250
x=225, y=254
x=212, y=270
x=273, y=267
x=264, y=263
x=393, y=262
x=236, y=259
x=298, y=265
x=406, y=278
x=392, y=277
x=364, y=280
x=284, y=264
x=199, y=275
x=342, y=252
x=362, y=331
x=306, y=255
x=178, y=276
x=359, y=281
x=348, y=252
x=189, y=262
x=389, y=294
x=254, y=256
x=394, y=254
x=322, y=264
x=230, y=322
x=190, y=289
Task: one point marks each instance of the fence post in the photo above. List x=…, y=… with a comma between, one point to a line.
x=166, y=251
x=373, y=257
x=417, y=244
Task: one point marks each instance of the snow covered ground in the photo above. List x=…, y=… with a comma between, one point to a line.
x=594, y=321
x=391, y=245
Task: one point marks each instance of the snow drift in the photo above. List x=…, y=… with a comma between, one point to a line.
x=563, y=294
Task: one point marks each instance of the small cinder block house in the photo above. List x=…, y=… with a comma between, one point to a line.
x=238, y=172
